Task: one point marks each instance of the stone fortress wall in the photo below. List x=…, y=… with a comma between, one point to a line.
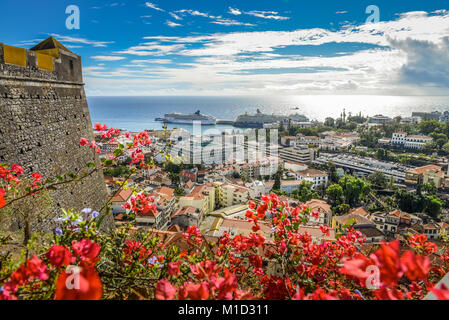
x=43, y=115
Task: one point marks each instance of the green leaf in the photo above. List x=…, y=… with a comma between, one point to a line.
x=91, y=165
x=60, y=178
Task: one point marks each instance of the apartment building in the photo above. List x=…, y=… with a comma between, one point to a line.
x=228, y=194
x=324, y=212
x=415, y=176
x=165, y=202
x=299, y=153
x=201, y=197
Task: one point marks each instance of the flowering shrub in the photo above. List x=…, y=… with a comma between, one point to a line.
x=83, y=263
x=127, y=264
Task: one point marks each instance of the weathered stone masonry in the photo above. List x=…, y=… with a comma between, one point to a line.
x=43, y=114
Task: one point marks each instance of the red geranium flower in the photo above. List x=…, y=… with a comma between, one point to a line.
x=417, y=267
x=84, y=142
x=165, y=291
x=86, y=249
x=59, y=256
x=17, y=169
x=2, y=201
x=173, y=269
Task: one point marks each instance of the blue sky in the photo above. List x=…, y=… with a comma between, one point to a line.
x=245, y=47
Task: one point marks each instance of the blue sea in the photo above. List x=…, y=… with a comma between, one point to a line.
x=139, y=113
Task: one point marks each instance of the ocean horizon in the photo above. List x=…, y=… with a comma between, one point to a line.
x=136, y=113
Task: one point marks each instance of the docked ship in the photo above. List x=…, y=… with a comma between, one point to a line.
x=181, y=118
x=260, y=120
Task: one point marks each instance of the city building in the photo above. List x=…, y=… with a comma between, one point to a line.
x=415, y=176
x=231, y=194
x=295, y=166
x=120, y=198
x=290, y=185
x=324, y=212
x=201, y=197
x=359, y=223
x=379, y=119
x=299, y=153
x=165, y=202
x=395, y=220
x=365, y=165
x=402, y=139
x=317, y=177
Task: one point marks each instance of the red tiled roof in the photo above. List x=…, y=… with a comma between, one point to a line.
x=320, y=205
x=122, y=195
x=421, y=170
x=361, y=211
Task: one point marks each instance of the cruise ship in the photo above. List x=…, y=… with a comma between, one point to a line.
x=189, y=118
x=259, y=120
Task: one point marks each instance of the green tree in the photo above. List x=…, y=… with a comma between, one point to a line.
x=378, y=179
x=354, y=189
x=428, y=126
x=433, y=206
x=429, y=188
x=335, y=193
x=445, y=147
x=409, y=201
x=305, y=192
x=329, y=122
x=332, y=171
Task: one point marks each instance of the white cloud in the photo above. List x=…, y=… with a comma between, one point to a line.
x=266, y=15
x=69, y=39
x=175, y=16
x=215, y=19
x=410, y=54
x=172, y=24
x=152, y=49
x=154, y=61
x=153, y=6
x=108, y=58
x=230, y=22
x=273, y=15
x=235, y=12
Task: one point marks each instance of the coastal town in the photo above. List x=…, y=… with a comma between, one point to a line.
x=387, y=178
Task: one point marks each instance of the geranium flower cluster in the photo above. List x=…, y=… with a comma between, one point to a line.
x=9, y=180
x=288, y=265
x=141, y=204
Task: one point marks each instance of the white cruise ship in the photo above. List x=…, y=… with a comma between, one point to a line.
x=190, y=118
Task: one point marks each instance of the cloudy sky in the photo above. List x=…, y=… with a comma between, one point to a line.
x=265, y=47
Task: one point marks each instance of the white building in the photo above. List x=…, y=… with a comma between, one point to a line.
x=409, y=141
x=398, y=138
x=317, y=177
